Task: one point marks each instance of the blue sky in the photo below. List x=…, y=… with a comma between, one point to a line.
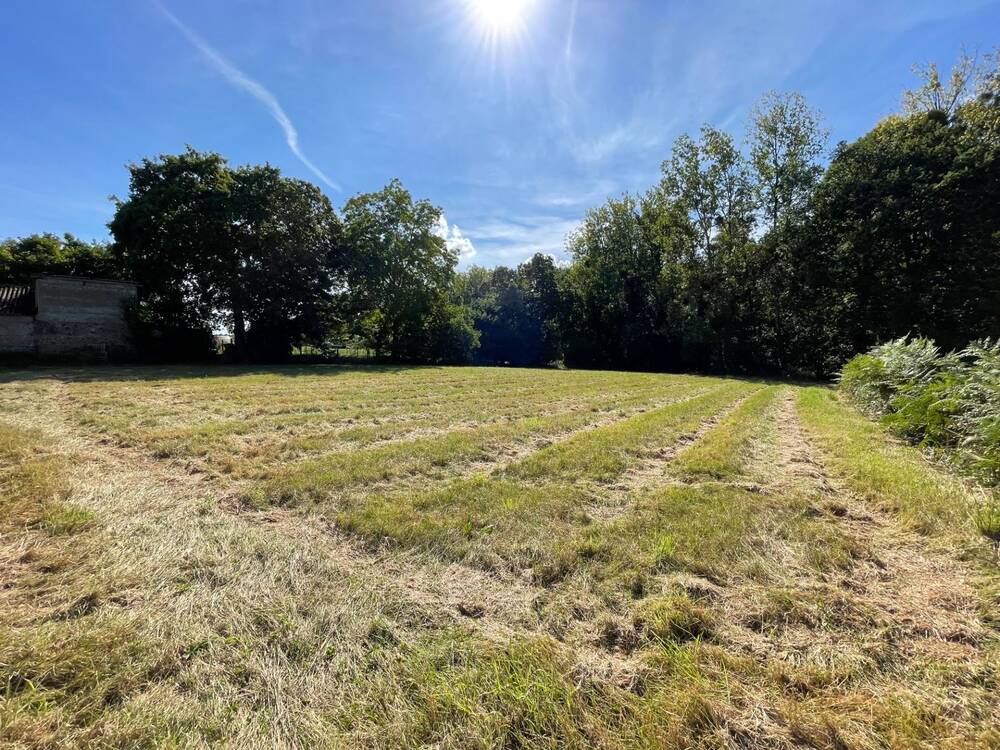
x=513, y=133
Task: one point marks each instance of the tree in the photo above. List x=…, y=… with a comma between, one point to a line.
x=25, y=257
x=245, y=248
x=709, y=181
x=968, y=74
x=401, y=274
x=290, y=260
x=516, y=311
x=613, y=288
x=539, y=278
x=909, y=210
x=786, y=140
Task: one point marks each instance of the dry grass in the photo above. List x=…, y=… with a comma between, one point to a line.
x=479, y=558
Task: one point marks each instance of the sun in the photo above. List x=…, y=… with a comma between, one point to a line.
x=499, y=18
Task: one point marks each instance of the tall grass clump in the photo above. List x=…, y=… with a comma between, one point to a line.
x=946, y=402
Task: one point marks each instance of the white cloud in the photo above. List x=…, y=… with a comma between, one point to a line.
x=239, y=79
x=510, y=242
x=454, y=239
x=637, y=135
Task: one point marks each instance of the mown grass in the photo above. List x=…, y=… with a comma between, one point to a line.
x=636, y=565
x=889, y=474
x=318, y=478
x=63, y=669
x=603, y=454
x=504, y=519
x=724, y=451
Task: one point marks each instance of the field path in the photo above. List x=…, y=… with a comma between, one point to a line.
x=902, y=606
x=926, y=592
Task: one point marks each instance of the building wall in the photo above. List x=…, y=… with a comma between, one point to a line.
x=17, y=334
x=74, y=318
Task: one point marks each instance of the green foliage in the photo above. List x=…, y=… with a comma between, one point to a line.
x=612, y=288
x=453, y=337
x=949, y=402
x=898, y=234
x=786, y=141
x=516, y=312
x=244, y=247
x=400, y=275
x=25, y=257
x=863, y=377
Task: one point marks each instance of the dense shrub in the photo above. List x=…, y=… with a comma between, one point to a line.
x=949, y=402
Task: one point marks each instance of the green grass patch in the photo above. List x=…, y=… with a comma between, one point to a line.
x=723, y=452
x=673, y=618
x=454, y=691
x=893, y=476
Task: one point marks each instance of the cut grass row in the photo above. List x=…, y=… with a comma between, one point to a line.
x=317, y=479
x=893, y=476
x=725, y=451
x=901, y=481
x=509, y=518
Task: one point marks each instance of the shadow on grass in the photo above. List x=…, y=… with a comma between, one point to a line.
x=83, y=373
x=92, y=373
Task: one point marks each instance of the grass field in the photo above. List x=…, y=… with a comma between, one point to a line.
x=388, y=557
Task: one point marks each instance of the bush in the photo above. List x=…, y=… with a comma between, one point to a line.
x=945, y=402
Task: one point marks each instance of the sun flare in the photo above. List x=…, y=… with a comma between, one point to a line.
x=499, y=17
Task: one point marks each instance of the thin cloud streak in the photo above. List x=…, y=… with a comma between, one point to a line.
x=239, y=79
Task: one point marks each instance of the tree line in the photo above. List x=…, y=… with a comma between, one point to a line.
x=763, y=260
x=748, y=255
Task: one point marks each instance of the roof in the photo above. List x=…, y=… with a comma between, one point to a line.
x=83, y=279
x=16, y=299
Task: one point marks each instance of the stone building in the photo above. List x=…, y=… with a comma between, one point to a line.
x=65, y=317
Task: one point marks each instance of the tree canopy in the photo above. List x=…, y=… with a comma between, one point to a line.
x=25, y=257
x=243, y=248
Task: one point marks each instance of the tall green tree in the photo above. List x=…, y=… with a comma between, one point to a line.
x=401, y=276
x=539, y=277
x=516, y=311
x=911, y=210
x=786, y=141
x=244, y=248
x=709, y=181
x=613, y=287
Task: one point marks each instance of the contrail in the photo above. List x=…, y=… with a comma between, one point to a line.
x=238, y=78
x=569, y=34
